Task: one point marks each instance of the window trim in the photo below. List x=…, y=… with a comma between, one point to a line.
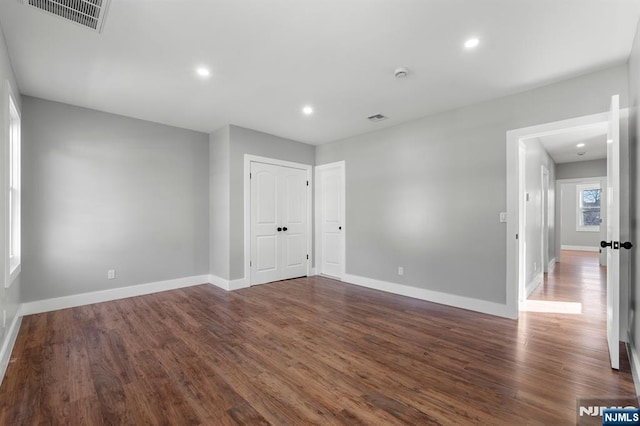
x=579, y=188
x=12, y=229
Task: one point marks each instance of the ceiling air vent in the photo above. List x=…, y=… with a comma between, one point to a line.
x=376, y=117
x=88, y=13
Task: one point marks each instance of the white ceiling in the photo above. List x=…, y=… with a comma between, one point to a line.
x=562, y=147
x=271, y=57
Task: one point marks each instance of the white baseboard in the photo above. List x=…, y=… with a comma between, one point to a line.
x=468, y=303
x=47, y=305
x=219, y=282
x=9, y=342
x=228, y=285
x=552, y=264
x=313, y=272
x=238, y=284
x=635, y=364
x=580, y=248
x=535, y=282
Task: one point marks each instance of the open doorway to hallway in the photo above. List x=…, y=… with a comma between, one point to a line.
x=565, y=186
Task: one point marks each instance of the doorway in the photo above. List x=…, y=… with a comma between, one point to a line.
x=517, y=242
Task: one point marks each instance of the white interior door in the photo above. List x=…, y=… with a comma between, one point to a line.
x=293, y=220
x=613, y=233
x=265, y=218
x=279, y=223
x=330, y=199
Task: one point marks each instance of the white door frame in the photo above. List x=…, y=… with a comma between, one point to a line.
x=248, y=159
x=544, y=210
x=318, y=216
x=514, y=196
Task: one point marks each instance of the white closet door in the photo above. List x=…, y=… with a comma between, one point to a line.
x=265, y=218
x=279, y=223
x=293, y=215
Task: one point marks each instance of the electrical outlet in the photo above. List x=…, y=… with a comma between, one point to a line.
x=111, y=274
x=400, y=270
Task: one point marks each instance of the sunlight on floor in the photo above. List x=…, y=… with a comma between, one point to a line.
x=550, y=307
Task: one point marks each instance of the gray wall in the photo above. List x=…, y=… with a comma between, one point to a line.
x=247, y=141
x=10, y=297
x=568, y=209
x=219, y=203
x=104, y=191
x=536, y=157
x=634, y=155
x=426, y=194
x=582, y=169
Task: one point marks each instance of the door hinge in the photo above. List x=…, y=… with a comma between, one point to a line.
x=249, y=175
x=307, y=183
x=250, y=263
x=516, y=236
x=307, y=257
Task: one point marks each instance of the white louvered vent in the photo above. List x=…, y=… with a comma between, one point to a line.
x=88, y=13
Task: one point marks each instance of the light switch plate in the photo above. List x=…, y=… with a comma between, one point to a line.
x=503, y=217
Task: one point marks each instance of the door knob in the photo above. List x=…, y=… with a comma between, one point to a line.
x=605, y=244
x=284, y=228
x=626, y=245
x=279, y=229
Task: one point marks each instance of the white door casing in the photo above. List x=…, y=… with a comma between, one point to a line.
x=277, y=220
x=613, y=233
x=330, y=219
x=515, y=246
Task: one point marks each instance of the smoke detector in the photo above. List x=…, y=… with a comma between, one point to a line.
x=376, y=117
x=401, y=72
x=88, y=13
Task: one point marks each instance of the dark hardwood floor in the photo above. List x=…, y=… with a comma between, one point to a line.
x=312, y=350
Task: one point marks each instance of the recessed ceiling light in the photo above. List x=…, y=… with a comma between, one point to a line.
x=609, y=140
x=471, y=43
x=307, y=110
x=203, y=72
x=580, y=145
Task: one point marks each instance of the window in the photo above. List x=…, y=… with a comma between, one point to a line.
x=13, y=188
x=588, y=203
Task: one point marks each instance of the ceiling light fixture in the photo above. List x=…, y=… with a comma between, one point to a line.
x=580, y=145
x=307, y=110
x=203, y=72
x=609, y=140
x=471, y=43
